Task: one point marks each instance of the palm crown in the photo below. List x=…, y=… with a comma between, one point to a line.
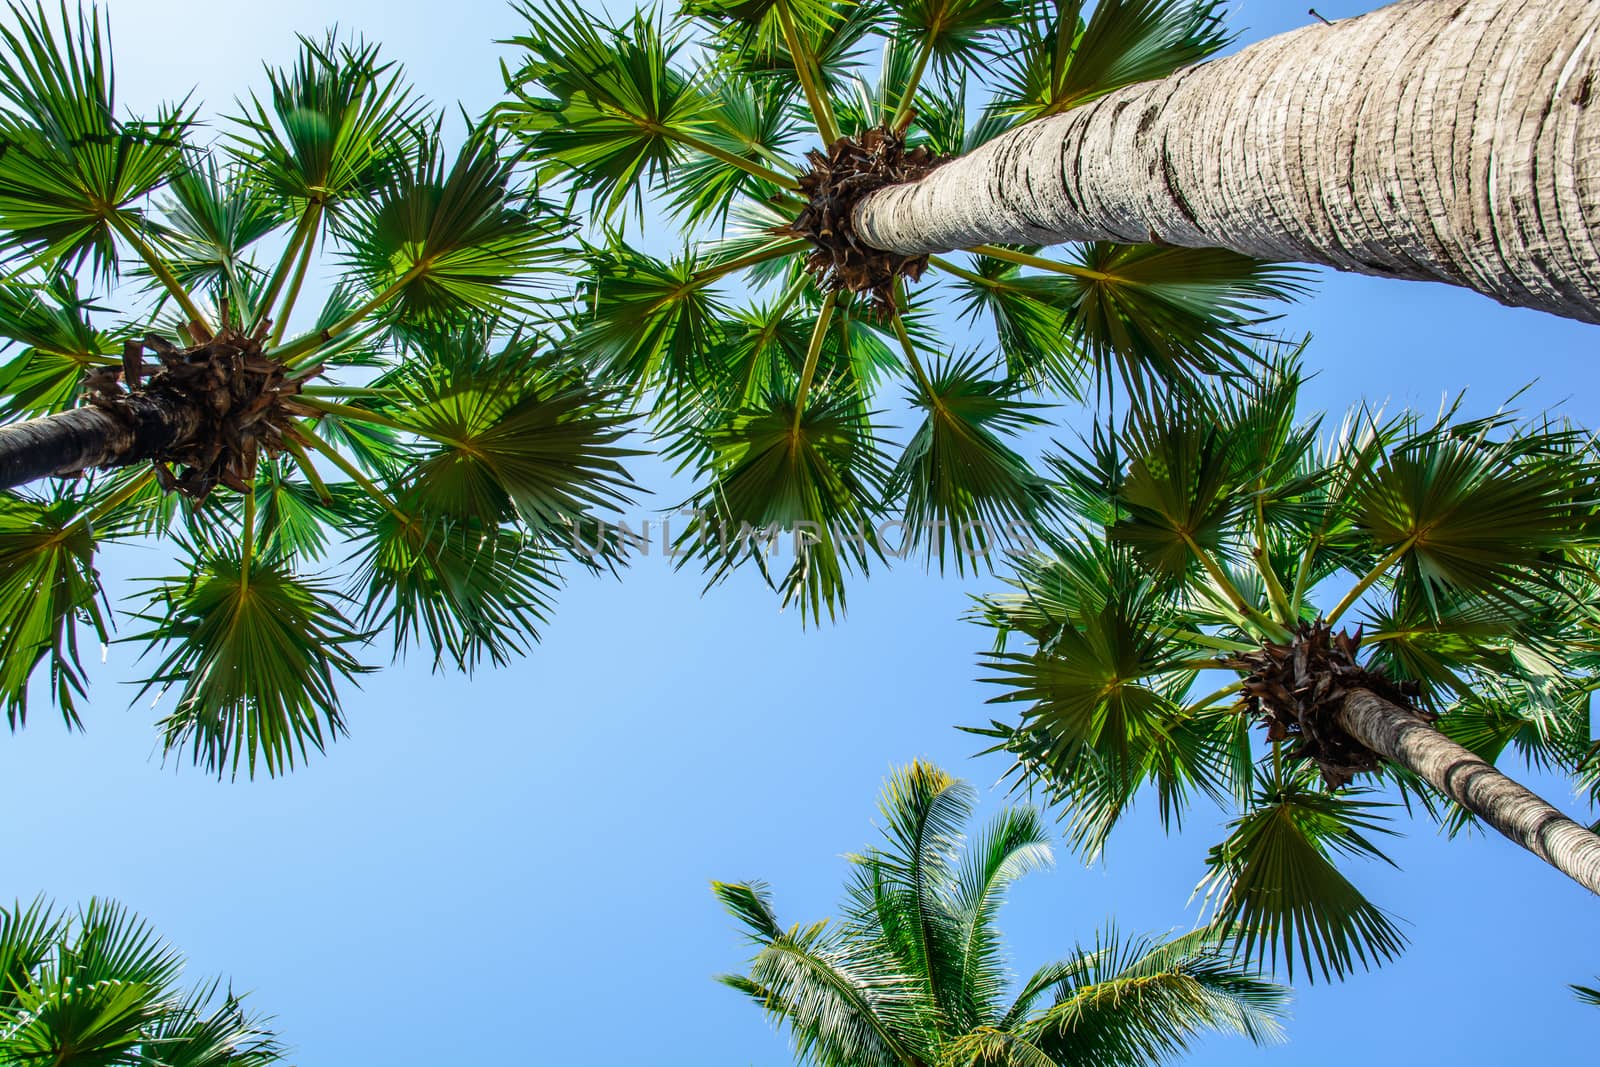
x=1230, y=522
x=398, y=422
x=915, y=973
x=98, y=988
x=770, y=401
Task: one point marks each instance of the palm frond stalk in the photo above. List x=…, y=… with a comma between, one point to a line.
x=1276, y=152
x=914, y=974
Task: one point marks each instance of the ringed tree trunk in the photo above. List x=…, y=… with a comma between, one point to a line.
x=1400, y=736
x=91, y=437
x=1439, y=140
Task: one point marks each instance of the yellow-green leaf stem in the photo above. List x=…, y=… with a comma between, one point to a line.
x=280, y=273
x=281, y=319
x=159, y=268
x=1275, y=593
x=310, y=342
x=349, y=411
x=805, y=68
x=1371, y=576
x=1023, y=259
x=761, y=255
x=309, y=469
x=905, y=343
x=813, y=353
x=247, y=547
x=367, y=485
x=902, y=114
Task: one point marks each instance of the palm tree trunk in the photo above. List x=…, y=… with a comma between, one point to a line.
x=1404, y=739
x=1445, y=140
x=89, y=437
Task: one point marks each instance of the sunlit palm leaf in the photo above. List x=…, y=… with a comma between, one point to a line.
x=48, y=589
x=257, y=655
x=50, y=321
x=72, y=171
x=334, y=124
x=598, y=99
x=447, y=241
x=963, y=486
x=1277, y=892
x=1064, y=62
x=818, y=482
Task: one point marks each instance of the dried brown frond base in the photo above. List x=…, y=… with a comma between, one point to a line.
x=1297, y=689
x=241, y=396
x=838, y=179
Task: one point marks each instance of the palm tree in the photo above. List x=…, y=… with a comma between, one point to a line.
x=770, y=401
x=1587, y=995
x=1218, y=547
x=1441, y=140
x=398, y=421
x=99, y=989
x=915, y=973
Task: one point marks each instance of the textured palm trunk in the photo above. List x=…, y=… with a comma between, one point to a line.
x=89, y=437
x=1401, y=737
x=1444, y=140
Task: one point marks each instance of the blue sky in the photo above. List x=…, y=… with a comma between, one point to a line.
x=513, y=868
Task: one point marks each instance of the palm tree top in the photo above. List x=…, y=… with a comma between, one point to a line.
x=755, y=126
x=915, y=973
x=403, y=459
x=1221, y=549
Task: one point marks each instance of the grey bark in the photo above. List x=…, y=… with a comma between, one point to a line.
x=1518, y=813
x=1445, y=140
x=89, y=437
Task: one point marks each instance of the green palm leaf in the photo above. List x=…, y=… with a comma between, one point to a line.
x=72, y=170
x=962, y=485
x=517, y=431
x=466, y=590
x=1133, y=1000
x=48, y=589
x=817, y=477
x=1276, y=889
x=647, y=320
x=1163, y=315
x=1065, y=61
x=446, y=241
x=613, y=95
x=51, y=323
x=335, y=124
x=257, y=654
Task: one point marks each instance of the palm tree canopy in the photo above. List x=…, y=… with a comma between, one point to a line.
x=98, y=988
x=915, y=972
x=774, y=400
x=427, y=431
x=1226, y=520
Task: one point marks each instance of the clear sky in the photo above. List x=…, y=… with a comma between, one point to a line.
x=512, y=868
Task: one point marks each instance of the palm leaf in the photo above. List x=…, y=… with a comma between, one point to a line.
x=1064, y=62
x=962, y=485
x=818, y=477
x=444, y=242
x=257, y=654
x=72, y=170
x=1276, y=891
x=334, y=125
x=613, y=95
x=48, y=589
